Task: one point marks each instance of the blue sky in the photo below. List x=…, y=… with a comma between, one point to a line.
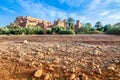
x=106, y=11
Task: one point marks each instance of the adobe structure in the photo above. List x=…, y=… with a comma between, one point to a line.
x=26, y=21
x=78, y=25
x=60, y=23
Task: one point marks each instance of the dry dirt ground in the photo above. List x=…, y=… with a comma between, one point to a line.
x=60, y=57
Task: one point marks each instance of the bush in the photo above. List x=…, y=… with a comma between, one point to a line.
x=95, y=32
x=21, y=30
x=100, y=29
x=84, y=29
x=48, y=31
x=81, y=30
x=16, y=31
x=106, y=27
x=113, y=30
x=29, y=30
x=66, y=32
x=57, y=29
x=33, y=30
x=4, y=31
x=40, y=31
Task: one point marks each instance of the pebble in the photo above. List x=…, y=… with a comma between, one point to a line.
x=95, y=52
x=72, y=76
x=56, y=60
x=46, y=77
x=25, y=42
x=111, y=68
x=72, y=70
x=116, y=61
x=117, y=74
x=84, y=77
x=38, y=73
x=98, y=70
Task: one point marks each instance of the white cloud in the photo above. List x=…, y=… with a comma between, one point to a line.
x=95, y=11
x=94, y=4
x=107, y=12
x=104, y=13
x=72, y=3
x=7, y=10
x=45, y=11
x=117, y=17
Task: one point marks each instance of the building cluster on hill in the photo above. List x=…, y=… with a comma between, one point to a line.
x=25, y=21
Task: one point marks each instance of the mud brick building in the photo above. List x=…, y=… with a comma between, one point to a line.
x=60, y=23
x=26, y=21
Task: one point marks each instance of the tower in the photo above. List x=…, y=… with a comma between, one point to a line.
x=78, y=25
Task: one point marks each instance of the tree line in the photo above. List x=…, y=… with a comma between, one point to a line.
x=86, y=28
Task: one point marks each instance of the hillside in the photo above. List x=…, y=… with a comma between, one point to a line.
x=117, y=24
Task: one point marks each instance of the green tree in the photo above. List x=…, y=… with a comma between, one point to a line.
x=106, y=27
x=87, y=27
x=114, y=30
x=70, y=23
x=99, y=26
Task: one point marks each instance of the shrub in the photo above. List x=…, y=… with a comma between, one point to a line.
x=57, y=29
x=84, y=29
x=16, y=31
x=95, y=32
x=106, y=27
x=66, y=32
x=40, y=31
x=33, y=30
x=21, y=30
x=100, y=29
x=1, y=31
x=29, y=30
x=48, y=31
x=4, y=31
x=113, y=30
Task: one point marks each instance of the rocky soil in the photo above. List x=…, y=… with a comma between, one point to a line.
x=60, y=57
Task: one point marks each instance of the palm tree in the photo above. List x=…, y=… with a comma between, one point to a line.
x=70, y=23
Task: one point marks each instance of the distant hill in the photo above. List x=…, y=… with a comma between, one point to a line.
x=117, y=24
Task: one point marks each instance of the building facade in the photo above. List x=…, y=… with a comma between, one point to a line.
x=25, y=21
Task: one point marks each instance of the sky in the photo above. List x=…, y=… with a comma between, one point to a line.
x=106, y=11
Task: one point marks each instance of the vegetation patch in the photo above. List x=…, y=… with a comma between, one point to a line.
x=113, y=30
x=66, y=32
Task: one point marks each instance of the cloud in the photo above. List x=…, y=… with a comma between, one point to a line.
x=45, y=11
x=7, y=10
x=94, y=4
x=106, y=11
x=72, y=3
x=117, y=17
